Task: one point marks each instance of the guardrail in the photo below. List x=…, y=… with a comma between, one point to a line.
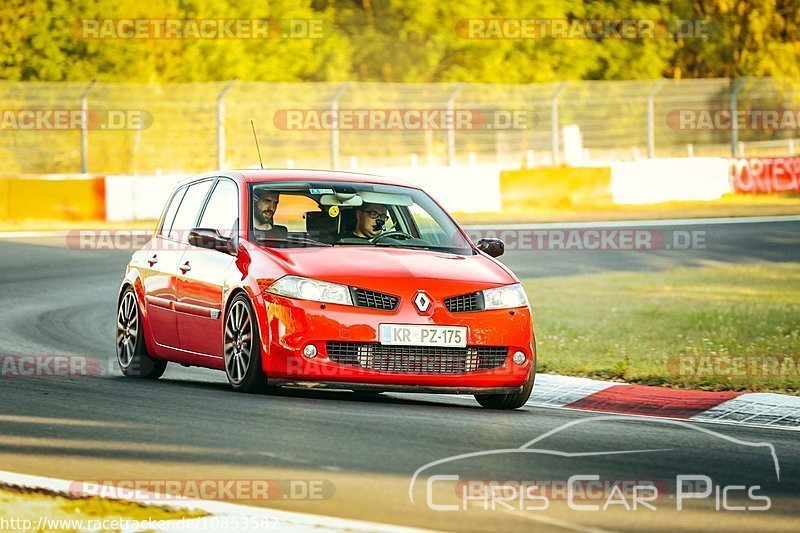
x=465, y=189
x=119, y=128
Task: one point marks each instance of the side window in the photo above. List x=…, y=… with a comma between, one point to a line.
x=222, y=209
x=395, y=221
x=187, y=212
x=169, y=216
x=291, y=209
x=429, y=229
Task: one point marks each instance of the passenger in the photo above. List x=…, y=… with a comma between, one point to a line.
x=265, y=203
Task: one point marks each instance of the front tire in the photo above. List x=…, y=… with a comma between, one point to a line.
x=132, y=356
x=509, y=401
x=242, y=348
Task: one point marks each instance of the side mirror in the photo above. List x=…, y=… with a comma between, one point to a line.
x=212, y=240
x=492, y=247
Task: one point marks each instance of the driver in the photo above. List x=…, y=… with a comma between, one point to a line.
x=370, y=219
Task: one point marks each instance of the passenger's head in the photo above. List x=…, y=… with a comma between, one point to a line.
x=265, y=203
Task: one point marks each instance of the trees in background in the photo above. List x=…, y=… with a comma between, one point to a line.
x=398, y=41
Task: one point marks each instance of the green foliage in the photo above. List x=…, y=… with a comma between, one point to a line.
x=397, y=41
x=749, y=38
x=636, y=326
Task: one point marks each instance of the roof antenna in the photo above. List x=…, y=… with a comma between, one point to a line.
x=260, y=162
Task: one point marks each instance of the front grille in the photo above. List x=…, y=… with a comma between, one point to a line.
x=375, y=300
x=417, y=359
x=464, y=302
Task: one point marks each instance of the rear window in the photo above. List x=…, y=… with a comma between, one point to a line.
x=189, y=209
x=169, y=216
x=222, y=209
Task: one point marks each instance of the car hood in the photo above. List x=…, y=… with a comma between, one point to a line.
x=346, y=263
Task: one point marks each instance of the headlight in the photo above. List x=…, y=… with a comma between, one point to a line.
x=311, y=289
x=505, y=297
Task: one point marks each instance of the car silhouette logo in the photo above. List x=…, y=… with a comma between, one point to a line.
x=422, y=301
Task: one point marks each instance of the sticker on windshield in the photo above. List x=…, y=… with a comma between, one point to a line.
x=320, y=191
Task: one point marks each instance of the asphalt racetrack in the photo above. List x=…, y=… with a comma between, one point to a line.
x=364, y=451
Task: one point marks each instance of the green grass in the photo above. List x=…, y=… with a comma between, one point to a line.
x=633, y=326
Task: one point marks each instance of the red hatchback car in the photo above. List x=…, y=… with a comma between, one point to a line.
x=325, y=279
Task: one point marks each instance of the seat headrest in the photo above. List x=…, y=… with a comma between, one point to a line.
x=319, y=224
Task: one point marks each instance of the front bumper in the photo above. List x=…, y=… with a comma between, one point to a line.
x=288, y=325
x=379, y=387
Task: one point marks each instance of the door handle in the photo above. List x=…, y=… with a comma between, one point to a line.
x=153, y=260
x=185, y=267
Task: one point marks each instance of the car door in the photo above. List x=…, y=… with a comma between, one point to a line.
x=157, y=265
x=202, y=273
x=162, y=258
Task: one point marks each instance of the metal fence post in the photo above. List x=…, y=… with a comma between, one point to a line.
x=451, y=132
x=221, y=147
x=335, y=129
x=651, y=119
x=85, y=128
x=734, y=131
x=554, y=149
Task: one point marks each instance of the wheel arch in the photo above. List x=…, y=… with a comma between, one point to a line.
x=135, y=282
x=259, y=313
x=231, y=296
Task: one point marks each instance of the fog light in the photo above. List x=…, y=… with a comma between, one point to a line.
x=519, y=358
x=310, y=351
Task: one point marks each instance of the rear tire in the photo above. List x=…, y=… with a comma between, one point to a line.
x=514, y=400
x=132, y=356
x=242, y=348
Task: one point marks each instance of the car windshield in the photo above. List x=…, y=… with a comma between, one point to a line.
x=323, y=214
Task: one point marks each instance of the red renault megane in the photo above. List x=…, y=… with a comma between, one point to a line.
x=326, y=279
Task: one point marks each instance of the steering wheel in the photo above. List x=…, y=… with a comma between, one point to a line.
x=394, y=234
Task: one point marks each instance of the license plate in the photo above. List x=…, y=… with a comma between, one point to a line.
x=416, y=335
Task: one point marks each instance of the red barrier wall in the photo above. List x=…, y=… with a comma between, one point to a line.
x=766, y=175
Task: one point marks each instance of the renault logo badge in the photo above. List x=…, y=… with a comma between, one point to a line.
x=422, y=301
